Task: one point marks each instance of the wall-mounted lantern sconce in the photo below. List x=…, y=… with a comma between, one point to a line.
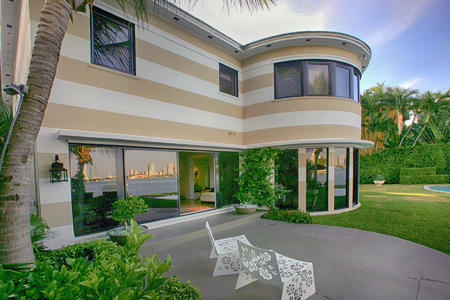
x=57, y=172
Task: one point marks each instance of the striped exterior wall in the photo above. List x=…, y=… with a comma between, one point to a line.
x=175, y=95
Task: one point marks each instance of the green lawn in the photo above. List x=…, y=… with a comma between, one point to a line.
x=406, y=211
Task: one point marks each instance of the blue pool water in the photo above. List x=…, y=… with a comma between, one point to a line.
x=439, y=188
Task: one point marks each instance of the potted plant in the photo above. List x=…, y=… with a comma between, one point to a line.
x=378, y=180
x=123, y=211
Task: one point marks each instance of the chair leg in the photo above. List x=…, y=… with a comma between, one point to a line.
x=227, y=264
x=213, y=254
x=244, y=279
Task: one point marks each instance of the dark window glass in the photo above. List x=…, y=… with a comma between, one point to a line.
x=153, y=176
x=95, y=185
x=355, y=176
x=340, y=178
x=228, y=80
x=318, y=82
x=287, y=80
x=112, y=40
x=286, y=166
x=342, y=82
x=228, y=172
x=317, y=179
x=355, y=87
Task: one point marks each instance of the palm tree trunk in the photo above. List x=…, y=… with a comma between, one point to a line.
x=420, y=133
x=399, y=123
x=15, y=198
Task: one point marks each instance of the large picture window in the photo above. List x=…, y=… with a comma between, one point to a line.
x=287, y=80
x=316, y=78
x=316, y=179
x=112, y=42
x=228, y=80
x=340, y=178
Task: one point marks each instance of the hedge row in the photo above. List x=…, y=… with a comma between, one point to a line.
x=417, y=171
x=389, y=162
x=423, y=179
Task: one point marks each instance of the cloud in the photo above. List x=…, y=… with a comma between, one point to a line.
x=396, y=17
x=411, y=82
x=246, y=27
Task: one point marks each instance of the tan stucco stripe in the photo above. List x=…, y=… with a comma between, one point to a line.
x=258, y=82
x=77, y=71
x=301, y=132
x=298, y=50
x=176, y=62
x=302, y=104
x=81, y=27
x=57, y=214
x=76, y=118
x=45, y=160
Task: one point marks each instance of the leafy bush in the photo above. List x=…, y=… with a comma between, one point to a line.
x=173, y=289
x=379, y=177
x=96, y=250
x=121, y=274
x=291, y=216
x=127, y=209
x=255, y=185
x=423, y=179
x=389, y=162
x=417, y=171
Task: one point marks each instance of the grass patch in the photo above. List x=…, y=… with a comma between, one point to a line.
x=406, y=211
x=159, y=202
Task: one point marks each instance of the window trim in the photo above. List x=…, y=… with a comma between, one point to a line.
x=288, y=63
x=131, y=38
x=235, y=73
x=304, y=77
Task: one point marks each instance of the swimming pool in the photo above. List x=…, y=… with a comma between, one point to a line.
x=438, y=188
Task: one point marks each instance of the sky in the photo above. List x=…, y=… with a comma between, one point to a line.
x=410, y=39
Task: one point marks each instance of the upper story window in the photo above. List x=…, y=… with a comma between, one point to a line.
x=228, y=80
x=112, y=42
x=287, y=80
x=316, y=78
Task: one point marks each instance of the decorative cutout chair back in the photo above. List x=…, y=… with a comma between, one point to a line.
x=211, y=238
x=260, y=263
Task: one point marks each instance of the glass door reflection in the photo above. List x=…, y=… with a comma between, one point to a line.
x=153, y=175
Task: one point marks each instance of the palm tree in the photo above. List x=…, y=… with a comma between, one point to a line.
x=373, y=122
x=433, y=107
x=15, y=198
x=401, y=100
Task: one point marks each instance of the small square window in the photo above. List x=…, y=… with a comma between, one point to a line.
x=228, y=80
x=112, y=42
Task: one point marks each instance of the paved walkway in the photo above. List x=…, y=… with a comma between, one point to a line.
x=348, y=263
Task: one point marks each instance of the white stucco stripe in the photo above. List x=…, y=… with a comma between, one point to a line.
x=47, y=141
x=54, y=192
x=79, y=95
x=299, y=118
x=258, y=96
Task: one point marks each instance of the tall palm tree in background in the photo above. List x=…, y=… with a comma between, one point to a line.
x=15, y=197
x=400, y=100
x=433, y=113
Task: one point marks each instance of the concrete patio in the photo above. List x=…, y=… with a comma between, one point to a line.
x=348, y=263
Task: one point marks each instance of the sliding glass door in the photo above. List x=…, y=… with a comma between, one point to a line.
x=153, y=175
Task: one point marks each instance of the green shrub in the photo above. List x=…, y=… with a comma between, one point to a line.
x=417, y=171
x=379, y=177
x=389, y=162
x=122, y=275
x=423, y=179
x=291, y=216
x=173, y=289
x=96, y=250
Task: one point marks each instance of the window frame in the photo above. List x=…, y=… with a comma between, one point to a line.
x=131, y=38
x=304, y=77
x=275, y=72
x=235, y=73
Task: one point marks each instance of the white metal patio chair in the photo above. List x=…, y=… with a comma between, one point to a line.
x=295, y=277
x=226, y=252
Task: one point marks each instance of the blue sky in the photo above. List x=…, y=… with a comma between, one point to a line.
x=410, y=39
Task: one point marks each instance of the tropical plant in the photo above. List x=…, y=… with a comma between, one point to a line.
x=255, y=181
x=15, y=178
